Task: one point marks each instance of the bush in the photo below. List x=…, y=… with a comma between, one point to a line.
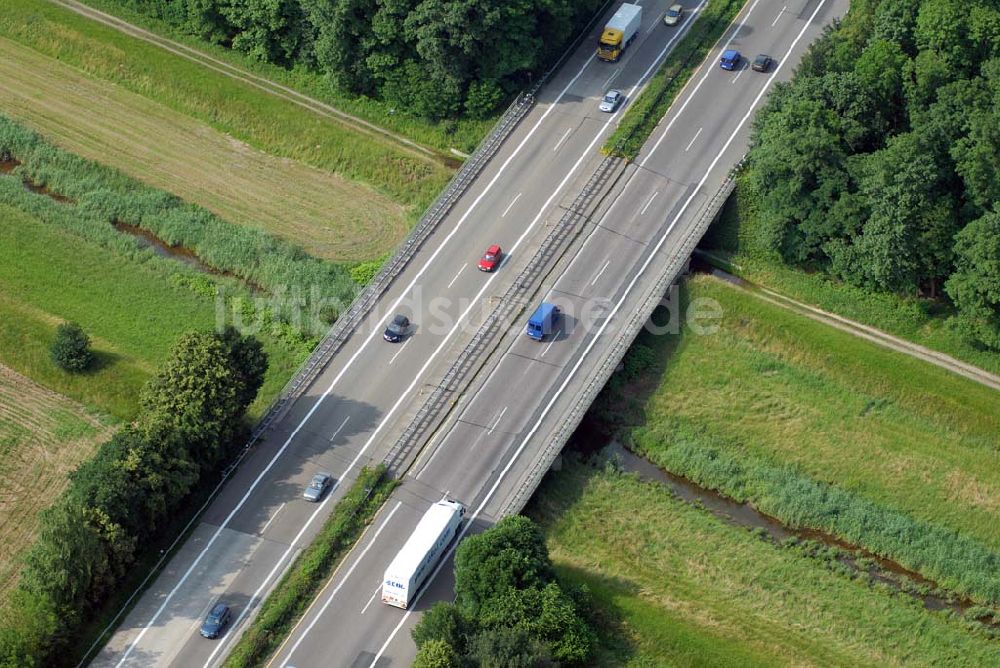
x=71, y=348
x=436, y=654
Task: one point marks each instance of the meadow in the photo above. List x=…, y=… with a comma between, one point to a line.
x=826, y=431
x=43, y=436
x=246, y=114
x=132, y=305
x=329, y=216
x=674, y=585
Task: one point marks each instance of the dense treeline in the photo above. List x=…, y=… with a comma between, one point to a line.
x=118, y=502
x=431, y=58
x=880, y=162
x=509, y=609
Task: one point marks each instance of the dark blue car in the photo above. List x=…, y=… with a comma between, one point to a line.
x=730, y=59
x=216, y=621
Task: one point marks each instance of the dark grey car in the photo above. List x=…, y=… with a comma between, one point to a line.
x=317, y=487
x=397, y=329
x=216, y=621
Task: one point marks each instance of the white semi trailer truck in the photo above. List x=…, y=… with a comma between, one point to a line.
x=422, y=550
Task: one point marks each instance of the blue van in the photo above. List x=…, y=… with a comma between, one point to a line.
x=543, y=321
x=730, y=59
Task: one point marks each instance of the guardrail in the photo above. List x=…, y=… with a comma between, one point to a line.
x=517, y=500
x=348, y=321
x=502, y=317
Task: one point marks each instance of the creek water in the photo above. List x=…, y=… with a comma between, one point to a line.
x=592, y=440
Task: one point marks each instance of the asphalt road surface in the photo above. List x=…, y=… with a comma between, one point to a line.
x=349, y=417
x=484, y=452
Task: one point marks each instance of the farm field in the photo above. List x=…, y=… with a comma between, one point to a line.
x=43, y=436
x=674, y=585
x=131, y=308
x=329, y=216
x=824, y=430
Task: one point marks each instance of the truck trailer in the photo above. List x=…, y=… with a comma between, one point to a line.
x=421, y=552
x=619, y=32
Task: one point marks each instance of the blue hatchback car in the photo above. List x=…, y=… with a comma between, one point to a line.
x=730, y=59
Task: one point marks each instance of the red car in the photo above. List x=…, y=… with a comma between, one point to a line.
x=491, y=258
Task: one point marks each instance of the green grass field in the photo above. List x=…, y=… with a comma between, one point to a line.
x=919, y=320
x=181, y=126
x=131, y=308
x=675, y=586
x=824, y=429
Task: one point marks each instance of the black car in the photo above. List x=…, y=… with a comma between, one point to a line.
x=216, y=621
x=762, y=63
x=397, y=329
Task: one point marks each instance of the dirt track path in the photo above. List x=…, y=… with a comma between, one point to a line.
x=255, y=80
x=877, y=336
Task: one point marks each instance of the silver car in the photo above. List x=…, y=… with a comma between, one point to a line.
x=318, y=486
x=673, y=15
x=611, y=101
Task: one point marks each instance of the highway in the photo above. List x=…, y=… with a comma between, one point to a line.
x=350, y=416
x=485, y=452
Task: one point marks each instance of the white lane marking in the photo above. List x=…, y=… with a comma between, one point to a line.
x=651, y=198
x=400, y=350
x=693, y=139
x=655, y=23
x=509, y=206
x=561, y=140
x=737, y=77
x=347, y=575
x=708, y=70
x=555, y=337
x=601, y=271
x=496, y=484
x=452, y=281
x=374, y=594
x=292, y=547
x=497, y=421
x=779, y=15
x=350, y=362
x=612, y=77
x=275, y=514
x=339, y=428
x=475, y=300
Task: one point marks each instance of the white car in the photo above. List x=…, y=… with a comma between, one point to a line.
x=611, y=101
x=673, y=15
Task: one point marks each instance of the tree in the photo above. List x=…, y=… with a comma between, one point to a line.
x=443, y=622
x=975, y=285
x=507, y=647
x=71, y=349
x=249, y=364
x=436, y=654
x=510, y=555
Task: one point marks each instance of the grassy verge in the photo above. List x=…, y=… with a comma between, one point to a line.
x=825, y=430
x=43, y=435
x=641, y=117
x=300, y=585
x=674, y=585
x=265, y=122
x=133, y=307
x=730, y=241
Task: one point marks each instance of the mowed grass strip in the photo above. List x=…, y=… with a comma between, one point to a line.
x=674, y=585
x=328, y=215
x=43, y=436
x=773, y=385
x=130, y=307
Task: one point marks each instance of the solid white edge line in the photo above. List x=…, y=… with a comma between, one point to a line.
x=593, y=341
x=319, y=613
x=350, y=362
